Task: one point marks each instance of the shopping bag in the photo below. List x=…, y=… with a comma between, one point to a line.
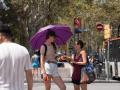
x=87, y=74
x=91, y=76
x=84, y=76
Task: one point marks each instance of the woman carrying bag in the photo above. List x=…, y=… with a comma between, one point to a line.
x=78, y=61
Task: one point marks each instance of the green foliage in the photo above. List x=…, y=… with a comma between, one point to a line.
x=27, y=16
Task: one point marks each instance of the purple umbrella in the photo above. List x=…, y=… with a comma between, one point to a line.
x=62, y=32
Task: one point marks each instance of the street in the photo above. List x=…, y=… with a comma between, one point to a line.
x=93, y=86
x=79, y=39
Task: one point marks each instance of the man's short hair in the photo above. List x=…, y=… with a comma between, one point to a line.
x=5, y=30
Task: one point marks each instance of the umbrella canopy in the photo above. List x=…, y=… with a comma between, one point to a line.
x=63, y=33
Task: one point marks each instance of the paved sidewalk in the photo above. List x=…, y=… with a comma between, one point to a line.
x=68, y=80
x=93, y=86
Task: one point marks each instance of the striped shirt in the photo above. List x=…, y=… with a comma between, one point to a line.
x=14, y=60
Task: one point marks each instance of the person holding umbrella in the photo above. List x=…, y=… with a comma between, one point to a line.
x=47, y=39
x=49, y=63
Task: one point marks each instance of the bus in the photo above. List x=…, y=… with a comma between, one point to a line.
x=113, y=56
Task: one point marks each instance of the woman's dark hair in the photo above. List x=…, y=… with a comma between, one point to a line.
x=50, y=33
x=80, y=42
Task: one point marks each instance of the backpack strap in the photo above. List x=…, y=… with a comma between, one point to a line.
x=45, y=49
x=54, y=46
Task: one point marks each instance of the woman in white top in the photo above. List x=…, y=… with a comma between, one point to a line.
x=49, y=67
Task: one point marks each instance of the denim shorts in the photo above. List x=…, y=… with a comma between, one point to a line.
x=51, y=69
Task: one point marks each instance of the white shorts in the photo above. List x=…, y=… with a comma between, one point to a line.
x=51, y=69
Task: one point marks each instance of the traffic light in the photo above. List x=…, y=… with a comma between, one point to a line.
x=107, y=31
x=77, y=25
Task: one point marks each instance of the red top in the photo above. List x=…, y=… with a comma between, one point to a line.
x=77, y=68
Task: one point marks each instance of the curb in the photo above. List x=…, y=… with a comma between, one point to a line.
x=69, y=81
x=106, y=81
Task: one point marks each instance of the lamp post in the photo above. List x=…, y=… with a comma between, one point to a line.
x=107, y=36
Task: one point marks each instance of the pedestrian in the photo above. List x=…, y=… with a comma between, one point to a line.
x=79, y=60
x=49, y=67
x=14, y=60
x=92, y=59
x=35, y=65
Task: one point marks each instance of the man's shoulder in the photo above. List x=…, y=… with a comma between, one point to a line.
x=83, y=51
x=17, y=46
x=20, y=46
x=13, y=45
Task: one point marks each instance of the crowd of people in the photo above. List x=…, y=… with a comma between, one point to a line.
x=15, y=62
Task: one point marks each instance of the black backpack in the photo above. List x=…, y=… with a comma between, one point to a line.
x=38, y=53
x=54, y=46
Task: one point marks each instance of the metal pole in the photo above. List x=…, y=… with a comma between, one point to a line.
x=107, y=61
x=78, y=37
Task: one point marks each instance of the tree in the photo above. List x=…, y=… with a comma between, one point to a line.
x=27, y=16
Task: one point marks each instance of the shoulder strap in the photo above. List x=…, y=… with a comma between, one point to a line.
x=45, y=49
